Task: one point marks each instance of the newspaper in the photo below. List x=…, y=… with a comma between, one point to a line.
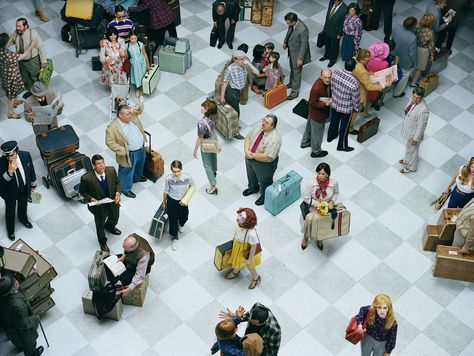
x=45, y=114
x=100, y=202
x=385, y=75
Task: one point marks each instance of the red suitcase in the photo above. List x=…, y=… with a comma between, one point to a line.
x=275, y=95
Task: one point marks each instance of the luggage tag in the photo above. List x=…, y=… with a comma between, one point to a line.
x=452, y=253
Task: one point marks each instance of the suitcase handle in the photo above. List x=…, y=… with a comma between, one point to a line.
x=71, y=171
x=149, y=141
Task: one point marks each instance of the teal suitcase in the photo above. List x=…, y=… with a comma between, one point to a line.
x=283, y=192
x=173, y=62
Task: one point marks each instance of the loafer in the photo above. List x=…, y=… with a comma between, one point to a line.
x=260, y=201
x=114, y=231
x=399, y=96
x=239, y=137
x=305, y=145
x=319, y=154
x=220, y=45
x=230, y=45
x=291, y=97
x=11, y=237
x=141, y=179
x=331, y=64
x=129, y=194
x=40, y=349
x=104, y=247
x=347, y=149
x=27, y=224
x=248, y=192
x=354, y=132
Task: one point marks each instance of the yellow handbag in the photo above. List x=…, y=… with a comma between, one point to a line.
x=438, y=203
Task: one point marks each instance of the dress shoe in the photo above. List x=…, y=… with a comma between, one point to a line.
x=129, y=194
x=399, y=96
x=11, y=237
x=291, y=97
x=319, y=154
x=305, y=145
x=322, y=59
x=27, y=224
x=248, y=192
x=142, y=179
x=230, y=45
x=39, y=350
x=26, y=95
x=260, y=201
x=220, y=45
x=354, y=132
x=347, y=149
x=320, y=245
x=239, y=137
x=331, y=63
x=114, y=231
x=29, y=200
x=104, y=247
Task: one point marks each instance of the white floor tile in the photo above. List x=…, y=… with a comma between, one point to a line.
x=401, y=221
x=423, y=346
x=407, y=261
x=463, y=307
x=305, y=345
x=355, y=259
x=435, y=152
x=181, y=342
x=63, y=330
x=68, y=290
x=107, y=342
x=394, y=183
x=387, y=149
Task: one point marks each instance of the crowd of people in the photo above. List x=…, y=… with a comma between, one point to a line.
x=339, y=96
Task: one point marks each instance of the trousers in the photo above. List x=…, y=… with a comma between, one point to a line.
x=260, y=174
x=371, y=347
x=313, y=134
x=177, y=215
x=459, y=199
x=29, y=71
x=128, y=175
x=411, y=155
x=387, y=7
x=331, y=48
x=158, y=35
x=402, y=83
x=209, y=161
x=232, y=97
x=339, y=127
x=295, y=77
x=221, y=35
x=105, y=216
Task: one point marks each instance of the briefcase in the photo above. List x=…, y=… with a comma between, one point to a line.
x=97, y=277
x=438, y=235
x=429, y=83
x=256, y=14
x=96, y=64
x=222, y=255
x=267, y=13
x=88, y=307
x=283, y=192
x=71, y=182
x=58, y=141
x=19, y=263
x=42, y=306
x=301, y=109
x=459, y=267
x=151, y=79
x=227, y=119
x=368, y=129
x=275, y=95
x=158, y=223
x=323, y=228
x=154, y=164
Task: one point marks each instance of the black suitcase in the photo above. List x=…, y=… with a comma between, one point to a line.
x=58, y=141
x=368, y=129
x=63, y=168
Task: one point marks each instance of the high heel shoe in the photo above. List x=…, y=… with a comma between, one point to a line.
x=254, y=282
x=211, y=191
x=304, y=244
x=320, y=245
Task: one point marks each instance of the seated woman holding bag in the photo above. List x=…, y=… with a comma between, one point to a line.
x=244, y=247
x=321, y=189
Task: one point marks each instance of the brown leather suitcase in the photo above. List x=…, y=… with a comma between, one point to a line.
x=19, y=263
x=59, y=141
x=42, y=306
x=368, y=129
x=457, y=266
x=256, y=16
x=438, y=235
x=154, y=164
x=267, y=13
x=42, y=294
x=275, y=95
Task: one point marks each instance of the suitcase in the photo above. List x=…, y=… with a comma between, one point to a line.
x=30, y=286
x=81, y=9
x=182, y=45
x=58, y=141
x=275, y=95
x=43, y=306
x=96, y=64
x=301, y=109
x=283, y=192
x=88, y=307
x=19, y=263
x=70, y=183
x=267, y=13
x=97, y=277
x=84, y=38
x=227, y=119
x=154, y=164
x=429, y=83
x=188, y=59
x=447, y=214
x=137, y=296
x=151, y=79
x=247, y=10
x=457, y=267
x=322, y=227
x=222, y=255
x=256, y=13
x=41, y=294
x=171, y=41
x=66, y=173
x=368, y=129
x=438, y=235
x=170, y=61
x=158, y=223
x=156, y=56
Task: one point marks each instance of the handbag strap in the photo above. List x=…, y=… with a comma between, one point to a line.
x=258, y=238
x=208, y=127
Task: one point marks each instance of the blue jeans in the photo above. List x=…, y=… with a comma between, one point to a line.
x=128, y=175
x=458, y=200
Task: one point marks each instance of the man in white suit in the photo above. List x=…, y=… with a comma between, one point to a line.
x=413, y=128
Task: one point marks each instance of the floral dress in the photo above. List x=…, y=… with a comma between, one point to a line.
x=112, y=73
x=352, y=35
x=274, y=76
x=10, y=75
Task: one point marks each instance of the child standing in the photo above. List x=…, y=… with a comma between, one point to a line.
x=273, y=71
x=140, y=63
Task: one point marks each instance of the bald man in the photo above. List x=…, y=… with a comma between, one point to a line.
x=136, y=261
x=319, y=104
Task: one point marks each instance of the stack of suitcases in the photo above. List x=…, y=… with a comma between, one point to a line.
x=262, y=12
x=34, y=273
x=175, y=56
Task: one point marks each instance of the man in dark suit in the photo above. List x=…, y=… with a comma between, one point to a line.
x=297, y=43
x=333, y=26
x=17, y=178
x=221, y=11
x=102, y=183
x=387, y=7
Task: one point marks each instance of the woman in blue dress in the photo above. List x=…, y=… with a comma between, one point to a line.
x=140, y=63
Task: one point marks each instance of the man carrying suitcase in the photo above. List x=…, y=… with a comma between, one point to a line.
x=17, y=179
x=100, y=184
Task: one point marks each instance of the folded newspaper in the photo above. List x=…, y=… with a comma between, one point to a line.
x=45, y=114
x=100, y=202
x=385, y=75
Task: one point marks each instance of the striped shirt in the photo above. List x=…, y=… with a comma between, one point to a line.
x=176, y=187
x=345, y=92
x=123, y=27
x=236, y=76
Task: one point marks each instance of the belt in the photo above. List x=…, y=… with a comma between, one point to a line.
x=462, y=193
x=137, y=150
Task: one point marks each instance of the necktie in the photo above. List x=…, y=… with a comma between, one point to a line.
x=104, y=185
x=288, y=35
x=19, y=179
x=257, y=142
x=333, y=10
x=21, y=50
x=409, y=107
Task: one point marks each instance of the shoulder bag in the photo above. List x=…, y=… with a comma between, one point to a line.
x=352, y=335
x=127, y=65
x=258, y=248
x=211, y=144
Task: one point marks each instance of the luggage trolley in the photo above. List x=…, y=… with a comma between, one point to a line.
x=118, y=96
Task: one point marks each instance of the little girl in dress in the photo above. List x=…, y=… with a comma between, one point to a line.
x=273, y=71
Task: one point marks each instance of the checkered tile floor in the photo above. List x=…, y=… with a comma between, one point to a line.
x=313, y=294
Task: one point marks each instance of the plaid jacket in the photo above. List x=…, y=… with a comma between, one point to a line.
x=161, y=13
x=270, y=332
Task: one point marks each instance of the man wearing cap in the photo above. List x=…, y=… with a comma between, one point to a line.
x=41, y=97
x=234, y=81
x=17, y=178
x=17, y=317
x=125, y=136
x=102, y=183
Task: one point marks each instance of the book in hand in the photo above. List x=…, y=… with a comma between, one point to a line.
x=114, y=265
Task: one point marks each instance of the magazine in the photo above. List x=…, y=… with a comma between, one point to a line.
x=114, y=265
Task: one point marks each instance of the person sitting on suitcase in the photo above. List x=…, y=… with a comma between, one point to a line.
x=41, y=97
x=17, y=317
x=125, y=136
x=102, y=183
x=221, y=11
x=322, y=188
x=17, y=179
x=261, y=148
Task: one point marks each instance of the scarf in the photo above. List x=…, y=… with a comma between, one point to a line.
x=321, y=190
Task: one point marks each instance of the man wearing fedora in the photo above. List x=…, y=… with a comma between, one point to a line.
x=41, y=97
x=17, y=179
x=17, y=317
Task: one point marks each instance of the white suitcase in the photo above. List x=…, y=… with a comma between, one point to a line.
x=70, y=183
x=182, y=45
x=151, y=79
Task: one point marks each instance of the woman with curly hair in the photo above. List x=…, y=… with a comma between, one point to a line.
x=245, y=238
x=381, y=332
x=463, y=190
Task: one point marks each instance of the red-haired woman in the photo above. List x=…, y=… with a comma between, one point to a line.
x=245, y=238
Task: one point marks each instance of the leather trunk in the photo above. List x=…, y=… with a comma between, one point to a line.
x=19, y=263
x=137, y=296
x=42, y=306
x=368, y=129
x=275, y=96
x=267, y=13
x=69, y=166
x=438, y=235
x=227, y=119
x=457, y=267
x=256, y=14
x=154, y=163
x=429, y=83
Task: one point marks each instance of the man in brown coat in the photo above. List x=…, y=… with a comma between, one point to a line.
x=319, y=104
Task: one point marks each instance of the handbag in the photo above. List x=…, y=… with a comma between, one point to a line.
x=46, y=73
x=211, y=144
x=352, y=335
x=320, y=42
x=258, y=248
x=127, y=65
x=213, y=37
x=304, y=207
x=438, y=203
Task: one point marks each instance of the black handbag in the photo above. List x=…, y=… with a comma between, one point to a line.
x=320, y=42
x=213, y=37
x=304, y=207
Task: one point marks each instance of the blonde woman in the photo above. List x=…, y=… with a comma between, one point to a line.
x=381, y=333
x=425, y=45
x=463, y=190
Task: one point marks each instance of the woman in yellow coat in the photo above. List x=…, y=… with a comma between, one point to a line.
x=245, y=238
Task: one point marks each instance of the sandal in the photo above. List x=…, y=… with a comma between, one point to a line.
x=231, y=275
x=12, y=115
x=17, y=102
x=254, y=282
x=405, y=170
x=402, y=161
